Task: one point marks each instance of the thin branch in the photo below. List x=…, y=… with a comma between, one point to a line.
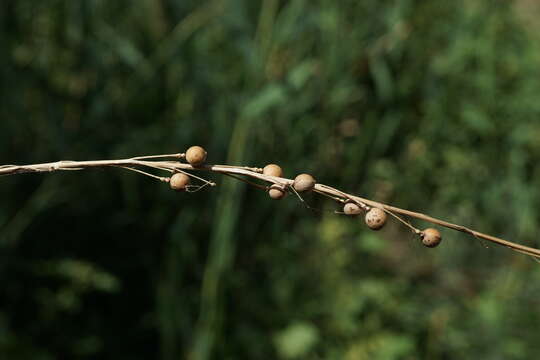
x=259, y=186
x=177, y=156
x=206, y=182
x=160, y=178
x=406, y=223
x=255, y=173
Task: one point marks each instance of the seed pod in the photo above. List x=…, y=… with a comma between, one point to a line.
x=375, y=218
x=277, y=192
x=351, y=208
x=431, y=237
x=303, y=183
x=273, y=170
x=179, y=181
x=196, y=155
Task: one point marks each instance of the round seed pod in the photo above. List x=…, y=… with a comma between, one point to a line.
x=179, y=181
x=352, y=208
x=196, y=155
x=276, y=192
x=303, y=183
x=431, y=237
x=375, y=218
x=273, y=170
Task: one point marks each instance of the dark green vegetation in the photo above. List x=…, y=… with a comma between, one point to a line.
x=428, y=105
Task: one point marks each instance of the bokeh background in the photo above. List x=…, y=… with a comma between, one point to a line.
x=428, y=105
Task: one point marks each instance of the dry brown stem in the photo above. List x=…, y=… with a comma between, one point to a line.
x=172, y=166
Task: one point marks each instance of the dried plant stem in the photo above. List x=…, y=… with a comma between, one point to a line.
x=160, y=178
x=255, y=173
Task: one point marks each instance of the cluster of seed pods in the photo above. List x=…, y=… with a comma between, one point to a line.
x=374, y=217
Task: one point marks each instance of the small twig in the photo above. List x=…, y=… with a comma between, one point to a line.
x=335, y=198
x=254, y=169
x=206, y=182
x=265, y=188
x=178, y=156
x=198, y=187
x=309, y=207
x=406, y=223
x=160, y=178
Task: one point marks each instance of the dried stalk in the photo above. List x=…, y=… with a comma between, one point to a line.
x=176, y=165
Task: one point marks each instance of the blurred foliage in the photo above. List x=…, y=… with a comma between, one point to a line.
x=428, y=105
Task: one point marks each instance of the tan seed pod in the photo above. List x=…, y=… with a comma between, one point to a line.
x=431, y=237
x=352, y=208
x=303, y=183
x=196, y=155
x=375, y=218
x=179, y=181
x=276, y=192
x=273, y=170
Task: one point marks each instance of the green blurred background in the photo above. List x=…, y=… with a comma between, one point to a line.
x=428, y=105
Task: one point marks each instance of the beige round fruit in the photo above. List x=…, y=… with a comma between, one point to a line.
x=352, y=208
x=196, y=155
x=276, y=192
x=375, y=218
x=179, y=182
x=273, y=170
x=304, y=183
x=431, y=237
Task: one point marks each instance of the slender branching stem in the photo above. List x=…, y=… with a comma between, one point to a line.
x=157, y=162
